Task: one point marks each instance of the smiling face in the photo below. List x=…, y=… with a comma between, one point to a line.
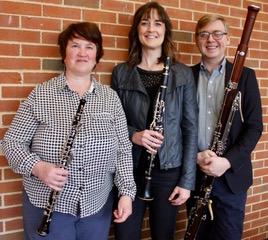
x=80, y=57
x=210, y=48
x=151, y=31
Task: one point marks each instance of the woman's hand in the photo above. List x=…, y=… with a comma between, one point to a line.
x=149, y=139
x=124, y=209
x=179, y=196
x=50, y=174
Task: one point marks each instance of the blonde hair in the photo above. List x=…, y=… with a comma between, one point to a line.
x=209, y=18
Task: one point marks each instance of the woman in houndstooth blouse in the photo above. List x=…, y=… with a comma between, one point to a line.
x=101, y=152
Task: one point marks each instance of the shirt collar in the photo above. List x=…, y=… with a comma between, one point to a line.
x=221, y=66
x=62, y=84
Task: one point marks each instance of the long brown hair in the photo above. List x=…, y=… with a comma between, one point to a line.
x=135, y=47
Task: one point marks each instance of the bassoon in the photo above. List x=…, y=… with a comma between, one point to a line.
x=156, y=125
x=231, y=104
x=66, y=158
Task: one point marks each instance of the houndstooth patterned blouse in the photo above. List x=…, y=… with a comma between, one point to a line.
x=101, y=153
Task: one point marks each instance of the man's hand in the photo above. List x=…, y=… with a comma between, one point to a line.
x=201, y=156
x=211, y=164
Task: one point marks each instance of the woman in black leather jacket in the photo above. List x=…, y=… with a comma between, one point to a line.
x=137, y=82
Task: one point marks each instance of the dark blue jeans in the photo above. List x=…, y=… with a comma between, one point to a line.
x=162, y=215
x=66, y=226
x=229, y=211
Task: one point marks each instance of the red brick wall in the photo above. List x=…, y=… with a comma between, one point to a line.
x=29, y=55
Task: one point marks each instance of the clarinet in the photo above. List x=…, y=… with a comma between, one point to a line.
x=156, y=125
x=231, y=104
x=43, y=229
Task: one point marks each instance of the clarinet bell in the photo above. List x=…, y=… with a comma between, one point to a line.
x=43, y=230
x=145, y=193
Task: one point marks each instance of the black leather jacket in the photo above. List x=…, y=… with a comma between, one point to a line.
x=180, y=120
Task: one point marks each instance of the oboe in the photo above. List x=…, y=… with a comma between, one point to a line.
x=43, y=229
x=156, y=125
x=231, y=104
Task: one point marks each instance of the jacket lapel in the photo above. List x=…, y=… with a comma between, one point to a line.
x=133, y=82
x=196, y=69
x=228, y=72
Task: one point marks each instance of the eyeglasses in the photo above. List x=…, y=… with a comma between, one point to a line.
x=217, y=35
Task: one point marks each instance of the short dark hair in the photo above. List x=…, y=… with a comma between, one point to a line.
x=86, y=30
x=135, y=47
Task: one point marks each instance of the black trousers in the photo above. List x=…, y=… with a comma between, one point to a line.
x=229, y=211
x=162, y=215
